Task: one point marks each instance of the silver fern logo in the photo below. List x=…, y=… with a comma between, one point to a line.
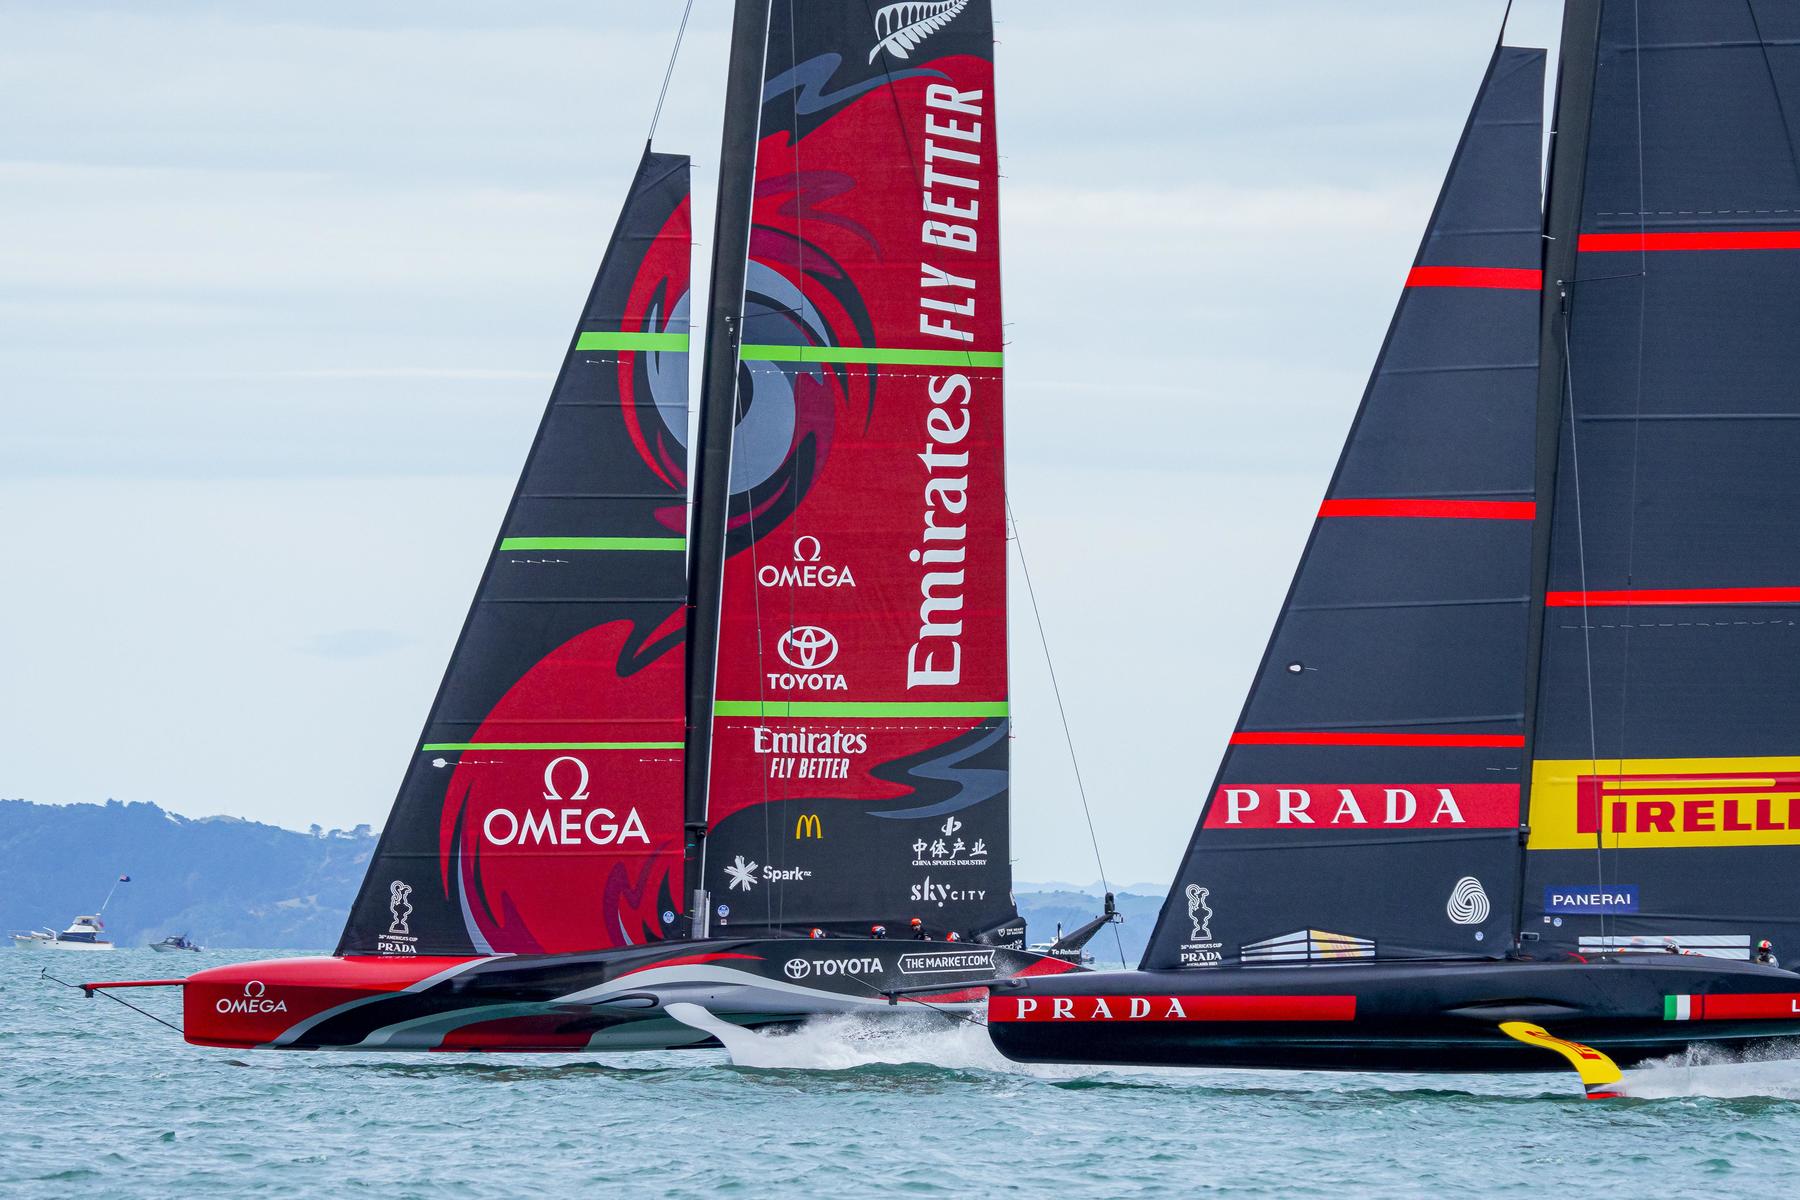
x=903, y=26
x=1468, y=902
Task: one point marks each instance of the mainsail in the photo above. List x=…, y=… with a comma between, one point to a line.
x=859, y=739
x=1368, y=802
x=542, y=809
x=1665, y=785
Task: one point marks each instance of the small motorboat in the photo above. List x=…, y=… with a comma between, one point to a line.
x=178, y=941
x=83, y=933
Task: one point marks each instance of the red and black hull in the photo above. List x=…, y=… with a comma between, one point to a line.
x=1436, y=1016
x=603, y=1000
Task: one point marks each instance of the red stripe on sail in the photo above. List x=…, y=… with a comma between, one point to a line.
x=1480, y=510
x=1651, y=596
x=1724, y=239
x=1509, y=278
x=1310, y=738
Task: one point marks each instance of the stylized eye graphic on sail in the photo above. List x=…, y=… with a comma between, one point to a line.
x=795, y=294
x=653, y=382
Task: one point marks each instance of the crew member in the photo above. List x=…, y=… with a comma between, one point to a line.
x=953, y=936
x=918, y=928
x=878, y=932
x=1765, y=953
x=815, y=932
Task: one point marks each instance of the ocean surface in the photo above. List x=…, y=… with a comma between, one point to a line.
x=96, y=1100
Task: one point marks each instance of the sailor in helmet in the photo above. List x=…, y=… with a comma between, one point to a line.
x=879, y=932
x=918, y=928
x=815, y=932
x=1765, y=953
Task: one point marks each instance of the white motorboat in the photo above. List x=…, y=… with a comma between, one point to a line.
x=174, y=942
x=83, y=933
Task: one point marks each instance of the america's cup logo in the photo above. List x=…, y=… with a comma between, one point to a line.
x=1198, y=912
x=399, y=908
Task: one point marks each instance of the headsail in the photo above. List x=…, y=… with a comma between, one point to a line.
x=1665, y=791
x=542, y=808
x=859, y=753
x=1368, y=803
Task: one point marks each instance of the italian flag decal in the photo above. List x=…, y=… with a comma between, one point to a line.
x=1764, y=1006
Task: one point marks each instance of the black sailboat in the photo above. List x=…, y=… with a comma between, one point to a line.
x=1518, y=771
x=711, y=763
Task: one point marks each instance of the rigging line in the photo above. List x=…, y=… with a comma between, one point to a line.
x=670, y=71
x=45, y=974
x=1500, y=37
x=799, y=320
x=1637, y=430
x=1056, y=690
x=1775, y=88
x=1587, y=627
x=762, y=695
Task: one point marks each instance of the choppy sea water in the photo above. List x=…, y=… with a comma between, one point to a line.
x=98, y=1101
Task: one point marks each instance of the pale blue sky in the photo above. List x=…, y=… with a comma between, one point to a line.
x=282, y=289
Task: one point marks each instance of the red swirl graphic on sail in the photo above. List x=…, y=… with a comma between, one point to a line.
x=862, y=677
x=567, y=834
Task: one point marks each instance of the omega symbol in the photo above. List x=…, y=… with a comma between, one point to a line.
x=581, y=785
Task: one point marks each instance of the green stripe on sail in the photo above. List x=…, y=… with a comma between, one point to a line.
x=428, y=746
x=632, y=341
x=758, y=352
x=593, y=543
x=855, y=708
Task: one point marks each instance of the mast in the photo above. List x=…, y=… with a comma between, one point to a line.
x=858, y=759
x=718, y=417
x=1577, y=58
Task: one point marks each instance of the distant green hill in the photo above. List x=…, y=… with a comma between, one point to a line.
x=236, y=884
x=227, y=883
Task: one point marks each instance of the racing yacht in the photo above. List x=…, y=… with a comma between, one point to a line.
x=704, y=767
x=1519, y=774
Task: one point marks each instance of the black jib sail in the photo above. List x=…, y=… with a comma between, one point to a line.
x=1368, y=803
x=1665, y=786
x=858, y=763
x=542, y=810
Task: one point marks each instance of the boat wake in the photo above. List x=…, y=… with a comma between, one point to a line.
x=1771, y=1072
x=844, y=1043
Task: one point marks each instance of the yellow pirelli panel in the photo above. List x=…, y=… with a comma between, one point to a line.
x=1638, y=803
